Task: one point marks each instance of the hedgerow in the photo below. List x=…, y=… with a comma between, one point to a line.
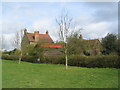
x=102, y=61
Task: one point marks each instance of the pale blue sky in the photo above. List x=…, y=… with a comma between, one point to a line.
x=96, y=18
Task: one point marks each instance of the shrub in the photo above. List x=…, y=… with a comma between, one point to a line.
x=102, y=61
x=10, y=57
x=28, y=58
x=76, y=60
x=54, y=60
x=110, y=61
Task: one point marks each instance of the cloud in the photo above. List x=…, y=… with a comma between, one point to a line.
x=99, y=5
x=83, y=20
x=103, y=18
x=43, y=24
x=46, y=24
x=8, y=41
x=107, y=11
x=105, y=15
x=96, y=30
x=9, y=27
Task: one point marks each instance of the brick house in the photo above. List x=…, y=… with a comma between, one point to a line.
x=93, y=46
x=35, y=38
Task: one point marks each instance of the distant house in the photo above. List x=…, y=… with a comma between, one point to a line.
x=36, y=38
x=93, y=46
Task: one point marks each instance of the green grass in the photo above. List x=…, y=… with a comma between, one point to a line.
x=31, y=75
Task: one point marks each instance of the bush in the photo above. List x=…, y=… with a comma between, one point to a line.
x=10, y=57
x=110, y=61
x=76, y=60
x=54, y=60
x=98, y=61
x=45, y=59
x=28, y=58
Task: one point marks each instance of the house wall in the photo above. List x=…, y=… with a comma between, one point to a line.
x=24, y=44
x=37, y=37
x=32, y=43
x=94, y=48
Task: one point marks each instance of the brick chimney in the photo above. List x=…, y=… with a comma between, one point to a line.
x=47, y=32
x=81, y=36
x=36, y=33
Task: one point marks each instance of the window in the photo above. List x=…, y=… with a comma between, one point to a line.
x=33, y=37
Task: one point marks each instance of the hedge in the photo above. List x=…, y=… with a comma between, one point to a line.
x=10, y=57
x=29, y=59
x=54, y=60
x=103, y=61
x=86, y=61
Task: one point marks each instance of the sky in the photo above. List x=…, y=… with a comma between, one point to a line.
x=96, y=18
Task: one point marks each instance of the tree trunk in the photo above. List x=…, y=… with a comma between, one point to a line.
x=66, y=61
x=20, y=58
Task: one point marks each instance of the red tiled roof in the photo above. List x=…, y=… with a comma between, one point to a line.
x=53, y=45
x=30, y=36
x=43, y=37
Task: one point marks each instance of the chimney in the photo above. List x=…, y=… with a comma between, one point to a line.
x=47, y=32
x=81, y=36
x=36, y=33
x=25, y=31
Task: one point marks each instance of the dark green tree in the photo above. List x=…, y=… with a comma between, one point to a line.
x=35, y=51
x=109, y=43
x=118, y=47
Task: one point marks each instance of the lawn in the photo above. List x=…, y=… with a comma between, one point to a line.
x=32, y=75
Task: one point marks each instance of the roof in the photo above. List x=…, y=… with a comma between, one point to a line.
x=53, y=45
x=92, y=40
x=93, y=43
x=42, y=37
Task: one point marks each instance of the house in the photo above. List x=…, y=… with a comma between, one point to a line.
x=36, y=38
x=92, y=46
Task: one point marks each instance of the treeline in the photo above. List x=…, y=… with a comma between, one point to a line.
x=107, y=58
x=109, y=45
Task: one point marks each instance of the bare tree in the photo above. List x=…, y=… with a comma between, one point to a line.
x=17, y=42
x=21, y=36
x=67, y=27
x=64, y=23
x=17, y=39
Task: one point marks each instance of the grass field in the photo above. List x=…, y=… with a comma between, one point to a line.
x=31, y=75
